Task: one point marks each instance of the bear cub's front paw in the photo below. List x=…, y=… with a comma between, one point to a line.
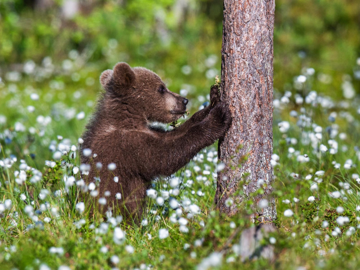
x=214, y=95
x=220, y=116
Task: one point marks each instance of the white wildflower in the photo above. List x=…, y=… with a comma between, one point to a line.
x=163, y=233
x=288, y=213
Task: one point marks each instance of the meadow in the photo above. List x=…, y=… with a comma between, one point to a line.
x=47, y=97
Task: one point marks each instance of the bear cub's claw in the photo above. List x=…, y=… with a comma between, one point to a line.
x=214, y=95
x=220, y=117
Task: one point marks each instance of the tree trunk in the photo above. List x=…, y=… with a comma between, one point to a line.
x=247, y=88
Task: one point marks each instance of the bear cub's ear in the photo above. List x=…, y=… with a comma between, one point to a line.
x=105, y=77
x=124, y=75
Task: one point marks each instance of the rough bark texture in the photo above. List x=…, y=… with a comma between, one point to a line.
x=247, y=88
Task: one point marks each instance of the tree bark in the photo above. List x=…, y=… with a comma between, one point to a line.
x=247, y=88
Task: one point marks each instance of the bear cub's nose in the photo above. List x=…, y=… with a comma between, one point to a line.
x=185, y=101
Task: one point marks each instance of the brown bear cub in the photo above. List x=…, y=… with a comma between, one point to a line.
x=127, y=153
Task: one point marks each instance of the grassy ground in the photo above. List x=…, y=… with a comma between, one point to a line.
x=42, y=225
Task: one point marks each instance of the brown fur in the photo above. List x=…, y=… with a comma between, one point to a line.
x=119, y=133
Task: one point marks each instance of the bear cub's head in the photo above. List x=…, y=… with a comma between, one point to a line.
x=143, y=90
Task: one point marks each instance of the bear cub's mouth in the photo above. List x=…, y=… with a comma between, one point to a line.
x=177, y=112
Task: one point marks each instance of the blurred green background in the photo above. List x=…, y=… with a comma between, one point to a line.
x=179, y=39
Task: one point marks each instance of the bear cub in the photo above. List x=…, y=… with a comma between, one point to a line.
x=127, y=153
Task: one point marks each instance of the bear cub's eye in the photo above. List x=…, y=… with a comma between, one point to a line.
x=162, y=89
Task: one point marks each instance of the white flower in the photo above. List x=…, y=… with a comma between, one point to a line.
x=58, y=250
x=8, y=204
x=314, y=187
x=75, y=170
x=118, y=196
x=47, y=219
x=112, y=166
x=194, y=209
x=284, y=126
x=69, y=181
x=320, y=173
x=173, y=203
x=99, y=166
x=129, y=249
x=348, y=164
x=119, y=236
x=229, y=202
x=102, y=201
x=206, y=172
x=183, y=221
x=273, y=163
x=163, y=233
x=299, y=100
x=272, y=240
x=115, y=259
x=303, y=158
x=104, y=249
x=165, y=194
x=144, y=222
x=174, y=182
x=263, y=203
x=80, y=207
x=80, y=115
x=323, y=148
x=64, y=267
x=151, y=193
x=350, y=231
x=342, y=220
x=318, y=136
x=335, y=194
x=183, y=229
x=286, y=201
x=44, y=267
x=339, y=209
x=87, y=152
x=301, y=78
x=57, y=155
x=288, y=213
x=311, y=199
x=325, y=224
x=29, y=210
x=160, y=201
x=220, y=167
x=214, y=260
x=92, y=186
x=342, y=136
x=34, y=96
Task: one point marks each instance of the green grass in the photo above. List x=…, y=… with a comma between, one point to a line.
x=36, y=232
